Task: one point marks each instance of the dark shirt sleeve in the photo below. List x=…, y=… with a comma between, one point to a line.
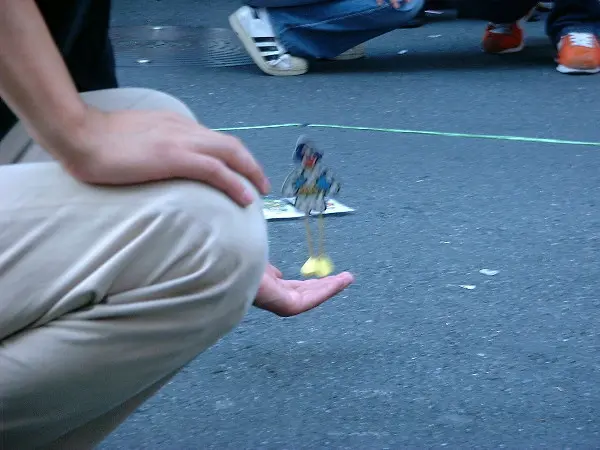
x=80, y=29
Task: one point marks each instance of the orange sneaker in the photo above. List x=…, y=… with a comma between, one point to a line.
x=578, y=53
x=503, y=38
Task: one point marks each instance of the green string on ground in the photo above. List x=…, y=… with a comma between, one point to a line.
x=421, y=132
x=260, y=127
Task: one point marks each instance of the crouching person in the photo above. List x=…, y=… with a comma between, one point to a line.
x=283, y=36
x=135, y=247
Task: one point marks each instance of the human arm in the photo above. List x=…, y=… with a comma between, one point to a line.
x=34, y=80
x=120, y=147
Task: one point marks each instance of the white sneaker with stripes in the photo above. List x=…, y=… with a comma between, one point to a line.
x=254, y=30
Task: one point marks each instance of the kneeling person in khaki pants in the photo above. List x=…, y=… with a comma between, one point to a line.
x=140, y=247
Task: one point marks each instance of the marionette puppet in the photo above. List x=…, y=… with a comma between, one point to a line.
x=311, y=184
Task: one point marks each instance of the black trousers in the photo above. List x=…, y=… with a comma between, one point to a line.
x=80, y=29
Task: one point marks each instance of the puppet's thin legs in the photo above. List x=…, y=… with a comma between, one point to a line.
x=308, y=237
x=321, y=235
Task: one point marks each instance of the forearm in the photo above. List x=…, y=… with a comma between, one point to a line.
x=34, y=80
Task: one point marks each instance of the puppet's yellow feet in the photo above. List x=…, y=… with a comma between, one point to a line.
x=324, y=266
x=320, y=267
x=310, y=268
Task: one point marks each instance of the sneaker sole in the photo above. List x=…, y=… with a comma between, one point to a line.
x=357, y=52
x=349, y=57
x=250, y=47
x=573, y=71
x=508, y=51
x=513, y=50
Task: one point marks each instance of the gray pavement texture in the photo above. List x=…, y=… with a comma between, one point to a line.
x=407, y=358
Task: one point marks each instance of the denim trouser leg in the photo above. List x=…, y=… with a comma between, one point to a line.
x=573, y=15
x=330, y=28
x=281, y=3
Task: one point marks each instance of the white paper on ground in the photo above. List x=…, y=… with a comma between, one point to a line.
x=333, y=207
x=283, y=208
x=276, y=208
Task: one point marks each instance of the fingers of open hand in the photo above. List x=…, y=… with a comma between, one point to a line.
x=292, y=297
x=273, y=271
x=315, y=292
x=309, y=294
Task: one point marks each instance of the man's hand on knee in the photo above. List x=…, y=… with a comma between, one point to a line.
x=130, y=147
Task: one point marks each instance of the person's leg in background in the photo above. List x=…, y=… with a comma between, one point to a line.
x=107, y=292
x=282, y=40
x=280, y=3
x=574, y=28
x=545, y=6
x=418, y=21
x=353, y=53
x=504, y=32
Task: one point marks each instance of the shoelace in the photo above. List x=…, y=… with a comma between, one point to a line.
x=582, y=39
x=282, y=62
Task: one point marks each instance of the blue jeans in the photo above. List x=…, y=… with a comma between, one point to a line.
x=327, y=28
x=573, y=15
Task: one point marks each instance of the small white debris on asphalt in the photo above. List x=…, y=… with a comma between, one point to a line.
x=489, y=272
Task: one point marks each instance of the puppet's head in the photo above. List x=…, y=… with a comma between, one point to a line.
x=306, y=154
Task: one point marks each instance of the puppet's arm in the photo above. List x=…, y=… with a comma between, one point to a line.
x=293, y=183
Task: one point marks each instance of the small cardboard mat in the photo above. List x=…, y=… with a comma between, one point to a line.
x=283, y=208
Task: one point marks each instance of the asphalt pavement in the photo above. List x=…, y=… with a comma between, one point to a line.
x=474, y=320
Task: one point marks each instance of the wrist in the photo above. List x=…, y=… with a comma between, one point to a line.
x=77, y=146
x=60, y=132
x=70, y=137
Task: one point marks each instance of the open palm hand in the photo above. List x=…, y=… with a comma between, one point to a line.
x=287, y=298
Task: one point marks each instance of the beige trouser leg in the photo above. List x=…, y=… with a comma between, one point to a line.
x=106, y=293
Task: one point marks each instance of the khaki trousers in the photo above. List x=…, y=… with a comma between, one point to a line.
x=107, y=292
